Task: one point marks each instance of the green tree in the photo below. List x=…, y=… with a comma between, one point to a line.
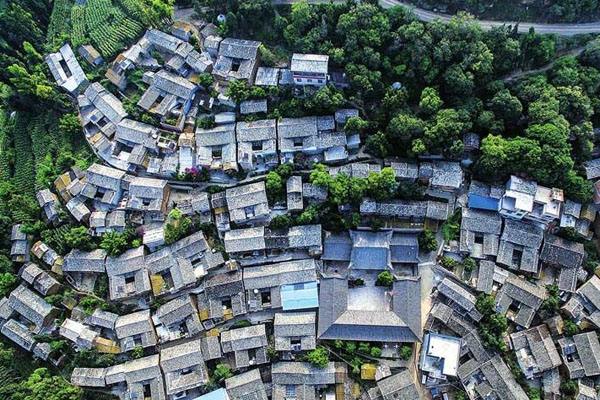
x=568, y=388
x=382, y=185
x=378, y=145
x=79, y=238
x=8, y=282
x=375, y=352
x=275, y=186
x=427, y=240
x=114, y=243
x=318, y=357
x=469, y=264
x=355, y=125
x=506, y=106
x=325, y=100
x=238, y=90
x=405, y=128
x=430, y=102
x=41, y=385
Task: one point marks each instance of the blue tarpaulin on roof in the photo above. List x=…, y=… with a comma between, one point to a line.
x=483, y=202
x=299, y=296
x=219, y=394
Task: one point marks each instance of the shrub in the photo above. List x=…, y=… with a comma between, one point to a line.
x=318, y=357
x=222, y=371
x=448, y=263
x=385, y=278
x=281, y=222
x=405, y=351
x=114, y=243
x=375, y=352
x=570, y=328
x=137, y=352
x=568, y=388
x=469, y=264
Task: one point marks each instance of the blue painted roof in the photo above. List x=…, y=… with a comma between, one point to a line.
x=483, y=202
x=219, y=394
x=299, y=296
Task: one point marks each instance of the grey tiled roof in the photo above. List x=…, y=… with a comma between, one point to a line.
x=284, y=273
x=562, y=252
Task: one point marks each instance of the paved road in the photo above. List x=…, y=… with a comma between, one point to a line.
x=425, y=15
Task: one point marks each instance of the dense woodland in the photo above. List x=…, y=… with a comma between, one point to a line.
x=520, y=10
x=420, y=88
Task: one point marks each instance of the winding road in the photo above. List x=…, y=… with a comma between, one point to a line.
x=523, y=27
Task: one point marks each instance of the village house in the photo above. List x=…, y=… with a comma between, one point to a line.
x=66, y=69
x=301, y=380
x=49, y=203
x=294, y=194
x=216, y=148
x=519, y=300
x=245, y=347
x=482, y=196
x=246, y=386
x=535, y=351
x=592, y=169
x=48, y=255
x=103, y=185
x=135, y=329
x=183, y=368
x=100, y=112
x=136, y=379
x=289, y=285
x=223, y=298
x=127, y=275
x=581, y=354
x=258, y=245
x=311, y=136
x=578, y=217
x=355, y=170
x=20, y=245
x=267, y=76
x=90, y=54
x=169, y=96
x=19, y=334
x=445, y=178
x=440, y=356
x=310, y=69
x=527, y=200
x=403, y=214
x=32, y=310
x=376, y=314
x=459, y=298
x=237, y=59
x=177, y=319
x=490, y=378
x=566, y=256
x=375, y=251
x=80, y=335
x=39, y=279
x=484, y=280
x=195, y=203
x=247, y=204
x=480, y=233
x=295, y=331
x=102, y=222
x=82, y=268
x=257, y=145
x=136, y=140
x=520, y=245
x=248, y=107
x=585, y=302
x=181, y=264
x=148, y=196
x=398, y=386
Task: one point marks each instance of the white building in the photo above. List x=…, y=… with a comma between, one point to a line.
x=310, y=69
x=527, y=200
